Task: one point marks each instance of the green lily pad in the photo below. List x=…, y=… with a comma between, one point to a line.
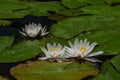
x=21, y=51
x=4, y=22
x=73, y=4
x=80, y=3
x=3, y=78
x=14, y=14
x=95, y=2
x=48, y=71
x=101, y=10
x=112, y=1
x=5, y=43
x=41, y=8
x=116, y=62
x=109, y=73
x=10, y=6
x=68, y=28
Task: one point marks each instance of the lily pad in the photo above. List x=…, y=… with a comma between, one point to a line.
x=41, y=8
x=13, y=14
x=80, y=3
x=5, y=43
x=116, y=62
x=68, y=28
x=112, y=1
x=109, y=73
x=4, y=22
x=101, y=10
x=21, y=51
x=48, y=71
x=10, y=6
x=73, y=4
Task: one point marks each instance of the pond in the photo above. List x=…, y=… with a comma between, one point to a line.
x=54, y=39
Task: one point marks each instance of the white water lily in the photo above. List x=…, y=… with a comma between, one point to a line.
x=55, y=52
x=32, y=30
x=83, y=50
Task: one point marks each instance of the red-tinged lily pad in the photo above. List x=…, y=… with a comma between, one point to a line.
x=39, y=70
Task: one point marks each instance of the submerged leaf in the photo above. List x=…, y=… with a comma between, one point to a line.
x=48, y=71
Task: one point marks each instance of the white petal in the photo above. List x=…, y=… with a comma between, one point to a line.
x=23, y=33
x=59, y=60
x=49, y=45
x=92, y=60
x=71, y=45
x=82, y=54
x=95, y=54
x=91, y=47
x=45, y=51
x=76, y=42
x=85, y=41
x=43, y=58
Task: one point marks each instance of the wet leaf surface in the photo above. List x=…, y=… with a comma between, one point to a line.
x=58, y=71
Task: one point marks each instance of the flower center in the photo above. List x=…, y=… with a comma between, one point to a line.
x=54, y=49
x=83, y=48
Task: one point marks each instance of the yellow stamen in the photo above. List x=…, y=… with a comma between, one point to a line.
x=83, y=48
x=54, y=49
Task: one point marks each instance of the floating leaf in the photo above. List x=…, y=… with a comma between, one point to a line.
x=48, y=71
x=71, y=27
x=80, y=3
x=112, y=1
x=41, y=8
x=21, y=51
x=4, y=22
x=10, y=6
x=109, y=73
x=70, y=12
x=73, y=4
x=95, y=2
x=101, y=10
x=13, y=14
x=116, y=62
x=5, y=43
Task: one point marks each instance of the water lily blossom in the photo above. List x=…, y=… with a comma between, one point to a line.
x=83, y=49
x=53, y=52
x=32, y=30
